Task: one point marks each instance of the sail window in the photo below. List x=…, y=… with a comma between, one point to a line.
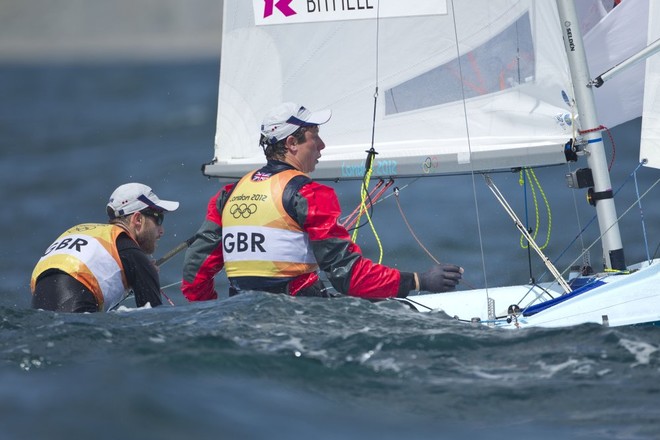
x=503, y=62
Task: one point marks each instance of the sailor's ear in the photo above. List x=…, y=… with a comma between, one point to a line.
x=291, y=142
x=137, y=219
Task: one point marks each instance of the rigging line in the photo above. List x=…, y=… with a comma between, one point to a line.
x=410, y=229
x=405, y=220
x=171, y=285
x=500, y=198
x=537, y=295
x=407, y=299
x=469, y=143
x=656, y=251
x=379, y=200
x=373, y=122
x=609, y=168
x=616, y=222
x=402, y=188
x=357, y=208
x=131, y=294
x=366, y=209
x=593, y=218
x=374, y=198
x=165, y=258
x=641, y=214
x=417, y=178
x=167, y=298
x=390, y=195
x=371, y=153
x=607, y=130
x=382, y=191
x=128, y=295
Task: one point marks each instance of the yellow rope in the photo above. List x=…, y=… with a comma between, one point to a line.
x=363, y=209
x=534, y=183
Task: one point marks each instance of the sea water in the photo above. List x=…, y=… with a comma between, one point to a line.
x=260, y=366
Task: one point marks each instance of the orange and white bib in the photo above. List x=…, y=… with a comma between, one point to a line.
x=259, y=238
x=88, y=252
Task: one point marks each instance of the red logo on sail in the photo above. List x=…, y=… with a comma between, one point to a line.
x=282, y=5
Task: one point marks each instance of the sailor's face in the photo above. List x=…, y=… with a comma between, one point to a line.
x=309, y=152
x=148, y=234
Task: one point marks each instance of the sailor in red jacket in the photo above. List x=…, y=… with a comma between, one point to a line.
x=274, y=229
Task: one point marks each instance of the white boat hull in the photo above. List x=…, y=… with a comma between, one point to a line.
x=623, y=299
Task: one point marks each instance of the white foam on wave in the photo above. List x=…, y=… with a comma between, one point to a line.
x=641, y=350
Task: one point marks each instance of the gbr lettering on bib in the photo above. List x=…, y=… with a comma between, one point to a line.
x=257, y=243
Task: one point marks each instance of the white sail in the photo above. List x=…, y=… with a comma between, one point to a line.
x=619, y=35
x=458, y=86
x=650, y=141
x=476, y=88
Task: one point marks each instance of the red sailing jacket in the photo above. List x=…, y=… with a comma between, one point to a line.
x=316, y=208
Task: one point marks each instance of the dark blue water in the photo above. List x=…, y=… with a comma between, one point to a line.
x=262, y=366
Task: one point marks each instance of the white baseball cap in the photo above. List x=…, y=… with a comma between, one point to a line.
x=133, y=197
x=283, y=120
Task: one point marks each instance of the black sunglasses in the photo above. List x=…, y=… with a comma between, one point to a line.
x=158, y=216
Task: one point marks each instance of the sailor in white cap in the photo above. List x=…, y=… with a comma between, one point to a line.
x=92, y=267
x=276, y=229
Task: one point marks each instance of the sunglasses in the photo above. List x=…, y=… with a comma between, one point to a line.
x=158, y=216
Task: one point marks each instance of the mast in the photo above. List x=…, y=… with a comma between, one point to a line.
x=602, y=188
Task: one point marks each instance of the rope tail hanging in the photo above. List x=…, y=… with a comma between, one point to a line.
x=364, y=193
x=528, y=175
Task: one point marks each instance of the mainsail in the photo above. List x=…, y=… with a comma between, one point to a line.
x=463, y=86
x=650, y=141
x=459, y=86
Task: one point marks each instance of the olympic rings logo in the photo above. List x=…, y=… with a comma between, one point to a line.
x=429, y=164
x=84, y=227
x=243, y=210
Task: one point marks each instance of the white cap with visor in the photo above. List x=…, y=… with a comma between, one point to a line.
x=286, y=118
x=133, y=197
